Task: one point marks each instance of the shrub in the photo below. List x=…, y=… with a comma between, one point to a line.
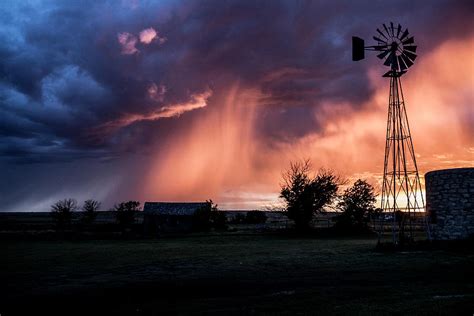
x=125, y=212
x=202, y=217
x=208, y=216
x=218, y=220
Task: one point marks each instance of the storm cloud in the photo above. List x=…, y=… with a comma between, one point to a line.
x=93, y=82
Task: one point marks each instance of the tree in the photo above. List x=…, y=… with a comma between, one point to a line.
x=125, y=212
x=209, y=216
x=62, y=210
x=357, y=205
x=89, y=211
x=305, y=195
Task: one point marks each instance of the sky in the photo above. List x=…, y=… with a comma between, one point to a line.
x=196, y=100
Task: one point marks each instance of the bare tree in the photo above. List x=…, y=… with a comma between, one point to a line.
x=62, y=210
x=89, y=211
x=125, y=212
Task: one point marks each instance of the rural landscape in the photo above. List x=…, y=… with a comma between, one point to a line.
x=236, y=157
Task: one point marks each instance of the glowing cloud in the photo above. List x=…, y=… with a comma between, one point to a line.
x=128, y=42
x=148, y=35
x=238, y=160
x=196, y=101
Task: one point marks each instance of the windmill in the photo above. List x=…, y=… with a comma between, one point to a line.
x=402, y=201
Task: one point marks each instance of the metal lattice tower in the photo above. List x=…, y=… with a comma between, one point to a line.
x=402, y=204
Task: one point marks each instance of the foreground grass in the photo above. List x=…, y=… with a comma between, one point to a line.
x=232, y=275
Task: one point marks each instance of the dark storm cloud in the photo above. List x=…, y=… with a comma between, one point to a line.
x=63, y=71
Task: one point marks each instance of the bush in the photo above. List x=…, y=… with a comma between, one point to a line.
x=255, y=217
x=125, y=212
x=62, y=210
x=89, y=211
x=218, y=220
x=306, y=195
x=208, y=216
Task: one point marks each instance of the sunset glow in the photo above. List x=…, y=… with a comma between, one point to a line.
x=184, y=104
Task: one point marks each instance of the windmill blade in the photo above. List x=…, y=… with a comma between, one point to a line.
x=410, y=48
x=389, y=59
x=392, y=29
x=402, y=63
x=407, y=60
x=380, y=32
x=399, y=30
x=408, y=41
x=379, y=40
x=405, y=34
x=386, y=29
x=383, y=54
x=410, y=55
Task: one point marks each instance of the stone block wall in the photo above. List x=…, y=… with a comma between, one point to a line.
x=450, y=203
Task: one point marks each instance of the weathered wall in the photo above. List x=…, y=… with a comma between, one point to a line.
x=450, y=202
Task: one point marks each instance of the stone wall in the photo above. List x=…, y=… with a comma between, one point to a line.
x=450, y=202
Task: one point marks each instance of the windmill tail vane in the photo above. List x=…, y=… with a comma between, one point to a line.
x=402, y=203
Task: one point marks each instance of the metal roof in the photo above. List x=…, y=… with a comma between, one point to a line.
x=172, y=208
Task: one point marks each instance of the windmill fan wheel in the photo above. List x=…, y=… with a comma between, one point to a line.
x=396, y=47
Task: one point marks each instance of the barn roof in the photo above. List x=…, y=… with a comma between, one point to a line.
x=172, y=208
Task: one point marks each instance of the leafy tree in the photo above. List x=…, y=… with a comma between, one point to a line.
x=357, y=205
x=306, y=195
x=255, y=217
x=89, y=211
x=62, y=210
x=125, y=212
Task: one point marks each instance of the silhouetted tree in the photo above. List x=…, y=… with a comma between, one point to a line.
x=357, y=204
x=305, y=195
x=204, y=217
x=125, y=212
x=89, y=211
x=62, y=210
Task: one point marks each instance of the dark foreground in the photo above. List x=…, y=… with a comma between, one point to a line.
x=231, y=275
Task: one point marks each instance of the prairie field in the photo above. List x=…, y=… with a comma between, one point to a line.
x=232, y=274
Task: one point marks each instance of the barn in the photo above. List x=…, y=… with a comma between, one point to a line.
x=169, y=217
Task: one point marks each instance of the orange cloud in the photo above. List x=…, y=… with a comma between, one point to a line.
x=197, y=101
x=222, y=157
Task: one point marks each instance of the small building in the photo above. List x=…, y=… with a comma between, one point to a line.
x=169, y=217
x=450, y=203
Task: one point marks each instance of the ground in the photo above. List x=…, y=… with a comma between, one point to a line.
x=232, y=274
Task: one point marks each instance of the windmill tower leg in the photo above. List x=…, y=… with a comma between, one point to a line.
x=402, y=199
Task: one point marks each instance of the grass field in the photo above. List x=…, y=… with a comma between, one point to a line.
x=232, y=275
